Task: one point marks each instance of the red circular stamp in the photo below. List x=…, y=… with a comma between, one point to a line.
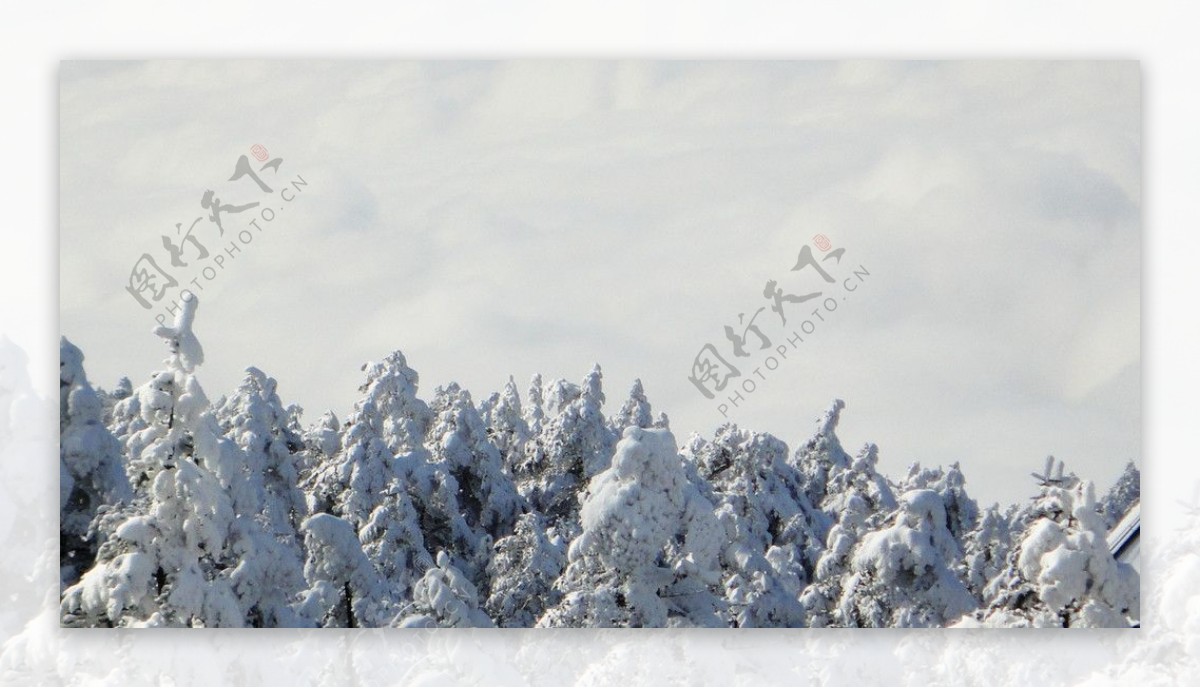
x=822, y=242
x=260, y=152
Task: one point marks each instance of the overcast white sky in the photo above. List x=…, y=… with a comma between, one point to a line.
x=496, y=219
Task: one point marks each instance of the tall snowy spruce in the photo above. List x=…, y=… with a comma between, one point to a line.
x=769, y=547
x=392, y=540
x=833, y=478
x=852, y=499
x=635, y=412
x=381, y=442
x=188, y=552
x=522, y=572
x=372, y=479
x=648, y=552
x=507, y=428
x=254, y=418
x=267, y=496
x=575, y=444
x=1121, y=497
x=91, y=471
x=461, y=448
x=534, y=412
x=986, y=553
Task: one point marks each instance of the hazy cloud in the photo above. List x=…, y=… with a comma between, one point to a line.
x=507, y=218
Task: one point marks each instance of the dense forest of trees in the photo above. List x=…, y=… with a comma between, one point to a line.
x=536, y=510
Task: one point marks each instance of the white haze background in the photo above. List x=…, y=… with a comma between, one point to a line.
x=1155, y=31
x=509, y=218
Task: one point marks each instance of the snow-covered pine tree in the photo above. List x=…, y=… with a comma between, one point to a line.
x=822, y=457
x=575, y=444
x=586, y=420
x=255, y=419
x=558, y=394
x=902, y=576
x=92, y=471
x=351, y=483
x=529, y=467
x=1060, y=573
x=858, y=507
x=535, y=410
x=506, y=426
x=168, y=563
x=266, y=574
x=833, y=478
x=322, y=441
x=136, y=422
x=962, y=512
x=635, y=412
x=647, y=555
x=385, y=429
x=435, y=494
x=458, y=440
x=464, y=486
x=986, y=553
x=402, y=418
x=392, y=540
x=522, y=572
x=264, y=482
x=820, y=598
x=108, y=400
x=851, y=499
x=761, y=504
x=1122, y=495
x=344, y=590
x=456, y=488
x=445, y=598
x=157, y=567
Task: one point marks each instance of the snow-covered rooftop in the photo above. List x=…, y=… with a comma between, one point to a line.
x=1126, y=530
